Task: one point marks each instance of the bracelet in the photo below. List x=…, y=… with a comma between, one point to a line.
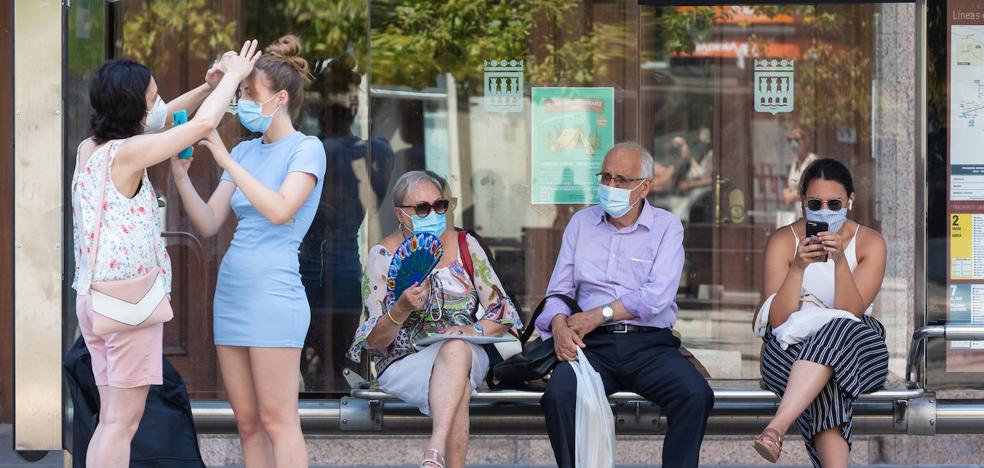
x=389, y=315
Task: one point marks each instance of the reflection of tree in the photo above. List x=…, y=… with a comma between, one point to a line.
x=415, y=41
x=152, y=32
x=330, y=28
x=832, y=74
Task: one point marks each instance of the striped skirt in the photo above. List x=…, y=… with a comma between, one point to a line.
x=857, y=353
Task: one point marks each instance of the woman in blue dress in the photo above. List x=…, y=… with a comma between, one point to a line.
x=261, y=313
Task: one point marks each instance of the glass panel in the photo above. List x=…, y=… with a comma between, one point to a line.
x=685, y=82
x=452, y=90
x=727, y=92
x=179, y=40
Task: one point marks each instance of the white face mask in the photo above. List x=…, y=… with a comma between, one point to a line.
x=156, y=116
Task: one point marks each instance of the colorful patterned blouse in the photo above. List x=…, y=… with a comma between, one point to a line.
x=452, y=301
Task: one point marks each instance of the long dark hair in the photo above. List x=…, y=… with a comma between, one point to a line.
x=118, y=95
x=827, y=169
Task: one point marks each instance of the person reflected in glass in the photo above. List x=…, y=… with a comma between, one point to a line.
x=261, y=313
x=801, y=151
x=823, y=349
x=440, y=378
x=668, y=179
x=621, y=260
x=697, y=180
x=358, y=174
x=110, y=184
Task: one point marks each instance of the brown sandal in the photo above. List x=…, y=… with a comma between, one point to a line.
x=769, y=444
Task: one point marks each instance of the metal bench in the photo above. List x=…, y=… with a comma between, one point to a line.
x=903, y=408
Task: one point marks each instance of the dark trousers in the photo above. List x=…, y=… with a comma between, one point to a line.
x=649, y=364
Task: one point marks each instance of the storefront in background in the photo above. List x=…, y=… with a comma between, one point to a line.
x=516, y=103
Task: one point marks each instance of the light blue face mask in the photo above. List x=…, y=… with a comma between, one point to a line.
x=795, y=145
x=251, y=115
x=615, y=201
x=835, y=219
x=433, y=223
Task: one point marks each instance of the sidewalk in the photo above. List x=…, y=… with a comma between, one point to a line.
x=9, y=459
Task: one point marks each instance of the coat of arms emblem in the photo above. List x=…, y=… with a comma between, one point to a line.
x=774, y=86
x=503, y=86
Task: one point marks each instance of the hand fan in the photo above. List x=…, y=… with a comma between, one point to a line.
x=412, y=262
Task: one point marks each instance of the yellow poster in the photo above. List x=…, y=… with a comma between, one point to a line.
x=961, y=247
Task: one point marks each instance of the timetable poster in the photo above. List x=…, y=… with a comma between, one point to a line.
x=965, y=169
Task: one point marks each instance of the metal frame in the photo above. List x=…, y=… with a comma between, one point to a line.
x=38, y=254
x=37, y=301
x=920, y=160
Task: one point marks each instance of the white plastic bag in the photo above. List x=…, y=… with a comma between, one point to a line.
x=594, y=423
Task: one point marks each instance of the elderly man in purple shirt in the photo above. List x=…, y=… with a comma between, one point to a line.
x=621, y=261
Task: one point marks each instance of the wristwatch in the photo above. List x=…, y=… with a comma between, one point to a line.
x=479, y=329
x=608, y=313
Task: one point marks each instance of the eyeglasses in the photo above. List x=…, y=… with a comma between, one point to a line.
x=606, y=179
x=815, y=204
x=423, y=209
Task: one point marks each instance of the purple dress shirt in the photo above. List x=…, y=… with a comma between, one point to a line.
x=599, y=264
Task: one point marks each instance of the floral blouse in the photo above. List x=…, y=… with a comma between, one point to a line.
x=452, y=301
x=130, y=242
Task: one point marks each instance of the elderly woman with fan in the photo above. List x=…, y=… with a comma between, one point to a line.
x=439, y=378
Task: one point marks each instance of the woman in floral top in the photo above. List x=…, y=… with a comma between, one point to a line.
x=115, y=228
x=440, y=378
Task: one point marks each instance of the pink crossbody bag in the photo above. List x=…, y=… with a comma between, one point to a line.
x=128, y=304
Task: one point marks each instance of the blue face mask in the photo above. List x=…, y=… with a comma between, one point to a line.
x=433, y=223
x=615, y=201
x=251, y=115
x=835, y=219
x=795, y=145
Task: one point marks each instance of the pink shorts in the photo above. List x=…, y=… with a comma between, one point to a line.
x=125, y=359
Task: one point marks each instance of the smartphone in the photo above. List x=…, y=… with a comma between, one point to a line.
x=181, y=117
x=816, y=227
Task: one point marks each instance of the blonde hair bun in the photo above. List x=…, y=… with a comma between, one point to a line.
x=288, y=49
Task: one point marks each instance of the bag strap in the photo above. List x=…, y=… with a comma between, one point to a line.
x=97, y=228
x=465, y=254
x=567, y=300
x=466, y=262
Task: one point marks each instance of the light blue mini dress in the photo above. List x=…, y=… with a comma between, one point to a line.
x=259, y=299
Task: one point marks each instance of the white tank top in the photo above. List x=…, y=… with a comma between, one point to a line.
x=818, y=278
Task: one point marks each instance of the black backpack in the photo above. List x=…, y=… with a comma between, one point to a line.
x=166, y=437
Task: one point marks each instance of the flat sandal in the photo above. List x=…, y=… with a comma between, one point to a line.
x=432, y=459
x=769, y=444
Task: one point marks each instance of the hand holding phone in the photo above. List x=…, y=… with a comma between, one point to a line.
x=813, y=229
x=181, y=117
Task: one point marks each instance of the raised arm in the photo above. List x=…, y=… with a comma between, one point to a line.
x=207, y=218
x=143, y=151
x=306, y=166
x=855, y=291
x=190, y=100
x=784, y=273
x=378, y=333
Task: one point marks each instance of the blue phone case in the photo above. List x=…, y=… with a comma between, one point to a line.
x=180, y=117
